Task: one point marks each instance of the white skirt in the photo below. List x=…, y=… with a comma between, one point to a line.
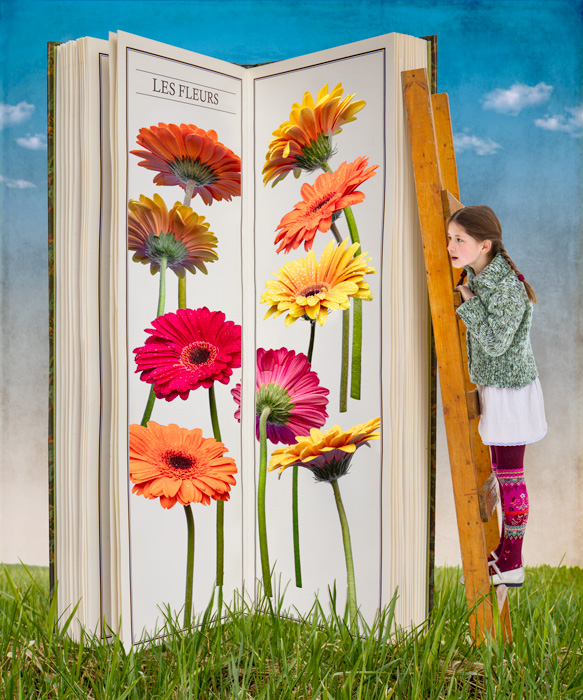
x=512, y=416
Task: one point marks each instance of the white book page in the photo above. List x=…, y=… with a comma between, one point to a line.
x=384, y=517
x=77, y=352
x=160, y=84
x=380, y=510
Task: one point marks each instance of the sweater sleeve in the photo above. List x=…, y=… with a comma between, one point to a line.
x=494, y=324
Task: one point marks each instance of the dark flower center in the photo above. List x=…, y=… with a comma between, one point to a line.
x=277, y=399
x=318, y=205
x=312, y=290
x=176, y=460
x=187, y=169
x=199, y=354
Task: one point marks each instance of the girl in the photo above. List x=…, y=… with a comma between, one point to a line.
x=497, y=311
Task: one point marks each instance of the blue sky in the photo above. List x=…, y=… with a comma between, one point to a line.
x=512, y=69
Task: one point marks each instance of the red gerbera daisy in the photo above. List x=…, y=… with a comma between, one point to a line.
x=287, y=385
x=331, y=193
x=186, y=154
x=189, y=349
x=178, y=465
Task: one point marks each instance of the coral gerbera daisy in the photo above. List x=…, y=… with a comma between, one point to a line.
x=310, y=288
x=330, y=193
x=305, y=141
x=287, y=385
x=189, y=349
x=186, y=154
x=327, y=454
x=178, y=465
x=180, y=236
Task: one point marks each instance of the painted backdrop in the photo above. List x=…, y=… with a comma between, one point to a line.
x=513, y=73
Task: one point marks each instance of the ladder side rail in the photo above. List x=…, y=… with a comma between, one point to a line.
x=451, y=203
x=429, y=186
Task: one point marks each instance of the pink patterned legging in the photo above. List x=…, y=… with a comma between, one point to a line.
x=508, y=465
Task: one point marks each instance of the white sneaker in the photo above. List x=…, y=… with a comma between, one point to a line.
x=512, y=578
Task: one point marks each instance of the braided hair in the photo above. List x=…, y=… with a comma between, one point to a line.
x=480, y=222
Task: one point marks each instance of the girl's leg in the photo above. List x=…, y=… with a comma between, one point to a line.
x=514, y=497
x=498, y=550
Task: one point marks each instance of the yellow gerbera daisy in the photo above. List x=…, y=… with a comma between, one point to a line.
x=327, y=454
x=308, y=288
x=305, y=141
x=180, y=236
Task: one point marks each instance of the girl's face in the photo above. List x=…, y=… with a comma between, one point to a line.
x=465, y=250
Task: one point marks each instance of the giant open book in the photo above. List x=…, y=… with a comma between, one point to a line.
x=165, y=212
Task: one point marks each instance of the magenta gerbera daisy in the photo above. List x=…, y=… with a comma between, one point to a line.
x=286, y=383
x=189, y=349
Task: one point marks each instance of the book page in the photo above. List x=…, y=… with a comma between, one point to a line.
x=163, y=88
x=384, y=492
x=380, y=494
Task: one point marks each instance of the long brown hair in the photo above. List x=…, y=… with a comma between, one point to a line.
x=480, y=222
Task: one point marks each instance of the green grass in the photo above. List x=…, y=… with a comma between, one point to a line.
x=258, y=655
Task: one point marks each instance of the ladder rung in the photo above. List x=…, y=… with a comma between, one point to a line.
x=488, y=498
x=473, y=401
x=450, y=203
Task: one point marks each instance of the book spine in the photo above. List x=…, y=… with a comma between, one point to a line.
x=51, y=93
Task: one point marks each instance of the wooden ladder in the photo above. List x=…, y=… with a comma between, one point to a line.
x=474, y=485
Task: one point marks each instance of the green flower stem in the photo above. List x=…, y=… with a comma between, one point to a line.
x=336, y=233
x=355, y=376
x=149, y=407
x=220, y=504
x=354, y=237
x=349, y=560
x=357, y=318
x=182, y=292
x=296, y=526
x=189, y=566
x=159, y=312
x=312, y=336
x=344, y=360
x=188, y=190
x=261, y=502
x=162, y=292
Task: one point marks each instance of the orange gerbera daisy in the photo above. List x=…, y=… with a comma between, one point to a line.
x=327, y=455
x=186, y=154
x=305, y=141
x=331, y=193
x=178, y=465
x=180, y=236
x=310, y=288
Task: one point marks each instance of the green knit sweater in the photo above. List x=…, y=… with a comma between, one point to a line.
x=498, y=320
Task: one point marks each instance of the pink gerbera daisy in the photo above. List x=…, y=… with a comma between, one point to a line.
x=287, y=385
x=189, y=349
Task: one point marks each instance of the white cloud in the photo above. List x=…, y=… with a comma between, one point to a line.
x=571, y=123
x=16, y=184
x=14, y=114
x=481, y=147
x=517, y=97
x=38, y=142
